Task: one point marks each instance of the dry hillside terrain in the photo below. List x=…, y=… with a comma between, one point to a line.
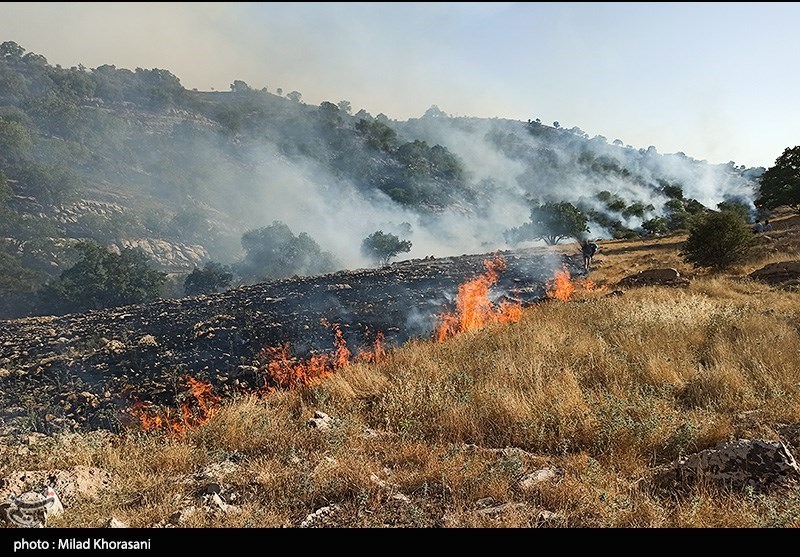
x=610, y=402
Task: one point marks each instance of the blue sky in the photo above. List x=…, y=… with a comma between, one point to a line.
x=716, y=81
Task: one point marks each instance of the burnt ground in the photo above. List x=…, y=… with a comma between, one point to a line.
x=85, y=371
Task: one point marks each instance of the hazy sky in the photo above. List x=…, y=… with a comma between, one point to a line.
x=717, y=81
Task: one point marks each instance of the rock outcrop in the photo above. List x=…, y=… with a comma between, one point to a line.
x=651, y=277
x=757, y=464
x=785, y=273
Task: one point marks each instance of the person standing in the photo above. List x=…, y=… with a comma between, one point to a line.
x=588, y=249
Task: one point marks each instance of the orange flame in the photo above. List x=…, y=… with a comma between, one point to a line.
x=474, y=308
x=285, y=371
x=561, y=287
x=191, y=415
x=376, y=354
x=281, y=370
x=288, y=372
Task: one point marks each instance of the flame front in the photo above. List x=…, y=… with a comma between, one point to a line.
x=561, y=287
x=376, y=354
x=284, y=371
x=281, y=369
x=474, y=307
x=192, y=414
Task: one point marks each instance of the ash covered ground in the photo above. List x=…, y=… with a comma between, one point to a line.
x=86, y=371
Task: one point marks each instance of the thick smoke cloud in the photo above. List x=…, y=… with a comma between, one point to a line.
x=502, y=168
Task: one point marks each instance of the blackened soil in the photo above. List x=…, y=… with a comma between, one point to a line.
x=86, y=371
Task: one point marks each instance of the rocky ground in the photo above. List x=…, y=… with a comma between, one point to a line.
x=86, y=371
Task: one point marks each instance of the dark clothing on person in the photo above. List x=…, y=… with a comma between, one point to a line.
x=588, y=250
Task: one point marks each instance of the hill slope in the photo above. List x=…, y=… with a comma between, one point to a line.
x=133, y=159
x=636, y=407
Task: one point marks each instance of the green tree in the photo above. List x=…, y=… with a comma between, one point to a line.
x=655, y=226
x=717, y=239
x=18, y=285
x=329, y=114
x=551, y=222
x=213, y=277
x=102, y=278
x=345, y=106
x=239, y=86
x=5, y=189
x=274, y=252
x=676, y=214
x=780, y=184
x=673, y=191
x=381, y=246
x=738, y=207
x=16, y=141
x=637, y=209
x=377, y=135
x=420, y=159
x=10, y=49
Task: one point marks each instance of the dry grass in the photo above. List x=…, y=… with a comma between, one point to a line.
x=596, y=391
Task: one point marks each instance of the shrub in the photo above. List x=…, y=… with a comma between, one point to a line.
x=381, y=246
x=717, y=240
x=211, y=278
x=102, y=279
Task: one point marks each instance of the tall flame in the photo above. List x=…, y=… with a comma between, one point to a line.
x=561, y=287
x=374, y=355
x=474, y=307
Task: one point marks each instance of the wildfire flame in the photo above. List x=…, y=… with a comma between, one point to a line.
x=561, y=287
x=474, y=307
x=205, y=405
x=282, y=370
x=376, y=354
x=285, y=371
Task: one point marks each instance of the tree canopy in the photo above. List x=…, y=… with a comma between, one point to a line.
x=102, y=278
x=551, y=222
x=381, y=246
x=717, y=239
x=211, y=278
x=274, y=252
x=780, y=184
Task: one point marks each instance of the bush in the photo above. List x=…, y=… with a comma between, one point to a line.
x=211, y=278
x=718, y=240
x=102, y=279
x=275, y=252
x=656, y=226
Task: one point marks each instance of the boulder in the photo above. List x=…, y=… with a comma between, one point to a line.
x=657, y=277
x=757, y=464
x=784, y=273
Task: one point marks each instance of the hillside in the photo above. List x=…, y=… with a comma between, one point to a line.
x=618, y=405
x=132, y=159
x=89, y=369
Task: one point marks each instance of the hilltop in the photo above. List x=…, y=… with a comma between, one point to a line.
x=129, y=158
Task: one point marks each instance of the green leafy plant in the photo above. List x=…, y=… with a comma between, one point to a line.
x=718, y=239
